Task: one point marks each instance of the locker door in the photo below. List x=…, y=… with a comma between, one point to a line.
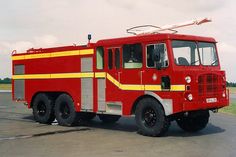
x=86, y=85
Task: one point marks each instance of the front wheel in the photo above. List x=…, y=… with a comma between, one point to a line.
x=150, y=118
x=196, y=121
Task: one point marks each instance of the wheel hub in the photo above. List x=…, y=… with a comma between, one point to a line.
x=150, y=117
x=64, y=111
x=41, y=109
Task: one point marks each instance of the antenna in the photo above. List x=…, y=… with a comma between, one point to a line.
x=151, y=29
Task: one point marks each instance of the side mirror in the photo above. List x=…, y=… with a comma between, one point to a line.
x=156, y=55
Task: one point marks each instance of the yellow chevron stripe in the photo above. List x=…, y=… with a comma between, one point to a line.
x=54, y=54
x=98, y=75
x=114, y=81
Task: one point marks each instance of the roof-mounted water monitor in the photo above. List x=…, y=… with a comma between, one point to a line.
x=151, y=29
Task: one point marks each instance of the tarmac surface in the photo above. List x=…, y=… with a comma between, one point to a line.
x=21, y=136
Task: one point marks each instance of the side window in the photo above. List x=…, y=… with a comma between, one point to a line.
x=110, y=62
x=100, y=58
x=117, y=58
x=163, y=55
x=132, y=56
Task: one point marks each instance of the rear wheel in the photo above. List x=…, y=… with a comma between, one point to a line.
x=196, y=121
x=43, y=109
x=150, y=118
x=109, y=118
x=65, y=111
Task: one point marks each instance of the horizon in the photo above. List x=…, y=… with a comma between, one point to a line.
x=42, y=23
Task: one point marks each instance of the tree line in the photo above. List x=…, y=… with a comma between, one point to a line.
x=230, y=84
x=5, y=81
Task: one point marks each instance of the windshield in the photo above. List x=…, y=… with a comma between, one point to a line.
x=185, y=52
x=208, y=53
x=190, y=53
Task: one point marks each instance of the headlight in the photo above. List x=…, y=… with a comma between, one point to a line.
x=188, y=79
x=223, y=95
x=190, y=97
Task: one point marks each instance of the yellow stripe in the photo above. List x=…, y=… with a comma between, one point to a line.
x=18, y=57
x=98, y=75
x=54, y=76
x=177, y=87
x=87, y=75
x=73, y=75
x=131, y=87
x=54, y=54
x=41, y=55
x=32, y=76
x=153, y=87
x=86, y=52
x=65, y=53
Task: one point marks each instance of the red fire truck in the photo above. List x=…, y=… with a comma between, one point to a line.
x=157, y=77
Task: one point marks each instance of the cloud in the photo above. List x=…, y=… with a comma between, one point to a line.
x=124, y=3
x=46, y=41
x=227, y=59
x=21, y=47
x=192, y=5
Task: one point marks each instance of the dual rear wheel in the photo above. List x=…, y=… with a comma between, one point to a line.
x=45, y=110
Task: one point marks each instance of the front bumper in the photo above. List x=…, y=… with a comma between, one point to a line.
x=205, y=104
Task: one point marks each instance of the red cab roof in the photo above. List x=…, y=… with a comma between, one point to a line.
x=151, y=37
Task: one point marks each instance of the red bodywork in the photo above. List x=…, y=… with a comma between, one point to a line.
x=207, y=81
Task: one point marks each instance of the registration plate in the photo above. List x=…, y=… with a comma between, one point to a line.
x=211, y=100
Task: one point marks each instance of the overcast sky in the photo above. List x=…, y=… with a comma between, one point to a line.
x=45, y=23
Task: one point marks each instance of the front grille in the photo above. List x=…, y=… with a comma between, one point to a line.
x=210, y=85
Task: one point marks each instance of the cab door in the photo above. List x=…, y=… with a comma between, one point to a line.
x=132, y=63
x=100, y=79
x=157, y=77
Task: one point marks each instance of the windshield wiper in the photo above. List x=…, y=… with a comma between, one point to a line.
x=192, y=63
x=215, y=61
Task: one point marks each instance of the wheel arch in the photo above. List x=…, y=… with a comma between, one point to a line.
x=166, y=104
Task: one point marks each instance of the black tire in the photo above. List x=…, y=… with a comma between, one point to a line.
x=87, y=116
x=196, y=121
x=109, y=118
x=65, y=112
x=43, y=109
x=150, y=118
